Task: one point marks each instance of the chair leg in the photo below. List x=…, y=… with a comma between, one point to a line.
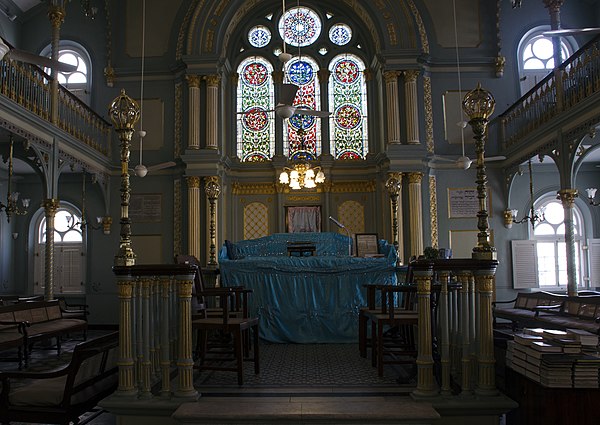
x=362, y=334
x=256, y=356
x=237, y=341
x=379, y=349
x=374, y=343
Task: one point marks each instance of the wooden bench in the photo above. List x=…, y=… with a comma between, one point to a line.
x=42, y=320
x=12, y=336
x=548, y=310
x=61, y=396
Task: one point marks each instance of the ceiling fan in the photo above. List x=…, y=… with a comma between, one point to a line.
x=285, y=109
x=571, y=31
x=141, y=170
x=22, y=56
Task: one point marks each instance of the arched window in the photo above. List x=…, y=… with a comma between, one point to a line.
x=255, y=98
x=79, y=81
x=69, y=252
x=550, y=244
x=348, y=101
x=319, y=40
x=536, y=57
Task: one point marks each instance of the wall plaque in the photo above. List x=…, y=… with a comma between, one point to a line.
x=145, y=207
x=463, y=203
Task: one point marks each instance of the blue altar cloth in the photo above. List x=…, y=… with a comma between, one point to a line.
x=307, y=299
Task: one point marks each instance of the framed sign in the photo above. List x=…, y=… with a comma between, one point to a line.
x=463, y=203
x=145, y=207
x=366, y=245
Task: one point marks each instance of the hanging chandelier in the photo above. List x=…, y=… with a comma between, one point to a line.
x=535, y=215
x=301, y=174
x=11, y=207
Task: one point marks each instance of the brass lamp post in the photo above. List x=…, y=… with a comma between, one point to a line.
x=124, y=113
x=479, y=104
x=394, y=188
x=212, y=190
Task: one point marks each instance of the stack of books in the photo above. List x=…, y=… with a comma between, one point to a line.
x=585, y=371
x=557, y=371
x=589, y=341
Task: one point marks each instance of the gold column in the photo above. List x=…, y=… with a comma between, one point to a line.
x=392, y=106
x=212, y=101
x=394, y=188
x=411, y=101
x=50, y=207
x=567, y=197
x=479, y=104
x=466, y=317
x=145, y=318
x=212, y=190
x=193, y=183
x=125, y=363
x=415, y=206
x=124, y=113
x=433, y=212
x=444, y=330
x=185, y=361
x=165, y=341
x=194, y=111
x=56, y=14
x=486, y=380
x=426, y=385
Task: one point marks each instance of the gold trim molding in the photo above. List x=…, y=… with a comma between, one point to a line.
x=353, y=187
x=433, y=211
x=238, y=188
x=428, y=101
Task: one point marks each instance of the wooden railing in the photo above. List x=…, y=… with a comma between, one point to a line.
x=29, y=86
x=573, y=82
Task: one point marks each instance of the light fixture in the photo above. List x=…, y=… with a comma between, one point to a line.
x=591, y=192
x=535, y=215
x=302, y=174
x=11, y=207
x=83, y=223
x=89, y=11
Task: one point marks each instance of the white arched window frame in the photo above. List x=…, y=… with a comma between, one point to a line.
x=535, y=56
x=69, y=252
x=78, y=82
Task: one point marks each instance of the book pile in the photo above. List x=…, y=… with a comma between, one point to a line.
x=585, y=371
x=556, y=371
x=563, y=339
x=589, y=341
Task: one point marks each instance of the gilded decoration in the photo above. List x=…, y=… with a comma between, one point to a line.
x=415, y=177
x=238, y=188
x=391, y=76
x=484, y=283
x=392, y=33
x=177, y=246
x=184, y=288
x=428, y=101
x=193, y=182
x=186, y=28
x=125, y=288
x=433, y=211
x=567, y=197
x=193, y=80
x=410, y=76
x=213, y=80
x=306, y=198
x=178, y=119
x=423, y=284
x=354, y=187
x=420, y=26
x=50, y=206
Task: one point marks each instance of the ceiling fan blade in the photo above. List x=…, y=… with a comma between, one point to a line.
x=442, y=158
x=494, y=158
x=41, y=61
x=288, y=93
x=571, y=31
x=312, y=112
x=161, y=166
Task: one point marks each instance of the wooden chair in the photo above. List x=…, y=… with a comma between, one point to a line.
x=372, y=307
x=393, y=327
x=215, y=356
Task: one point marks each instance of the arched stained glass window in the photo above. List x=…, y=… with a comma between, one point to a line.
x=300, y=26
x=259, y=36
x=348, y=102
x=302, y=71
x=255, y=98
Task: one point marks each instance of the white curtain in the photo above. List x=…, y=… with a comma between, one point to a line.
x=304, y=219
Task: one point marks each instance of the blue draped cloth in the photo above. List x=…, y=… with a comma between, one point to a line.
x=307, y=299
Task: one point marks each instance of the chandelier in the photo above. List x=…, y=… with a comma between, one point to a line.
x=11, y=207
x=301, y=174
x=535, y=215
x=591, y=193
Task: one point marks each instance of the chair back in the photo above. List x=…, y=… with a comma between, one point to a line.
x=198, y=280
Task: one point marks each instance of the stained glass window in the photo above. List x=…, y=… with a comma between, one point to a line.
x=340, y=34
x=300, y=26
x=348, y=102
x=303, y=132
x=255, y=97
x=259, y=36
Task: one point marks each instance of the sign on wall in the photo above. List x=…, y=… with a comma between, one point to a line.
x=463, y=203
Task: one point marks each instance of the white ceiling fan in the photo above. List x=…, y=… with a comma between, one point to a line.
x=7, y=52
x=141, y=170
x=285, y=109
x=462, y=162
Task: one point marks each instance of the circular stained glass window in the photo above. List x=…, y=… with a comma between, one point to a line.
x=300, y=73
x=255, y=74
x=259, y=36
x=346, y=71
x=340, y=34
x=255, y=119
x=300, y=26
x=347, y=117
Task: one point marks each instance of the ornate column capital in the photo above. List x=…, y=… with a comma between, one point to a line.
x=415, y=177
x=410, y=76
x=567, y=197
x=553, y=5
x=193, y=81
x=50, y=206
x=56, y=14
x=193, y=182
x=391, y=76
x=213, y=80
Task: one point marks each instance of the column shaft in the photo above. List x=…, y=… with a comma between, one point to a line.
x=194, y=111
x=194, y=216
x=212, y=110
x=392, y=106
x=185, y=361
x=415, y=205
x=50, y=207
x=486, y=382
x=412, y=107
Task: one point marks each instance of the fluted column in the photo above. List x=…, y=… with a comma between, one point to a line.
x=444, y=321
x=56, y=14
x=415, y=206
x=426, y=385
x=193, y=183
x=394, y=188
x=412, y=107
x=126, y=364
x=212, y=190
x=185, y=361
x=165, y=342
x=567, y=197
x=50, y=207
x=466, y=320
x=392, y=106
x=486, y=380
x=194, y=111
x=212, y=111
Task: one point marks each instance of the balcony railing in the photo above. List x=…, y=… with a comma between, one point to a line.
x=29, y=86
x=574, y=81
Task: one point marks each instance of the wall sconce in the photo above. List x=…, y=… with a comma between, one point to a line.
x=106, y=222
x=591, y=192
x=15, y=235
x=509, y=216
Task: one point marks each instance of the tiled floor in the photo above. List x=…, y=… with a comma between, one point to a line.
x=288, y=371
